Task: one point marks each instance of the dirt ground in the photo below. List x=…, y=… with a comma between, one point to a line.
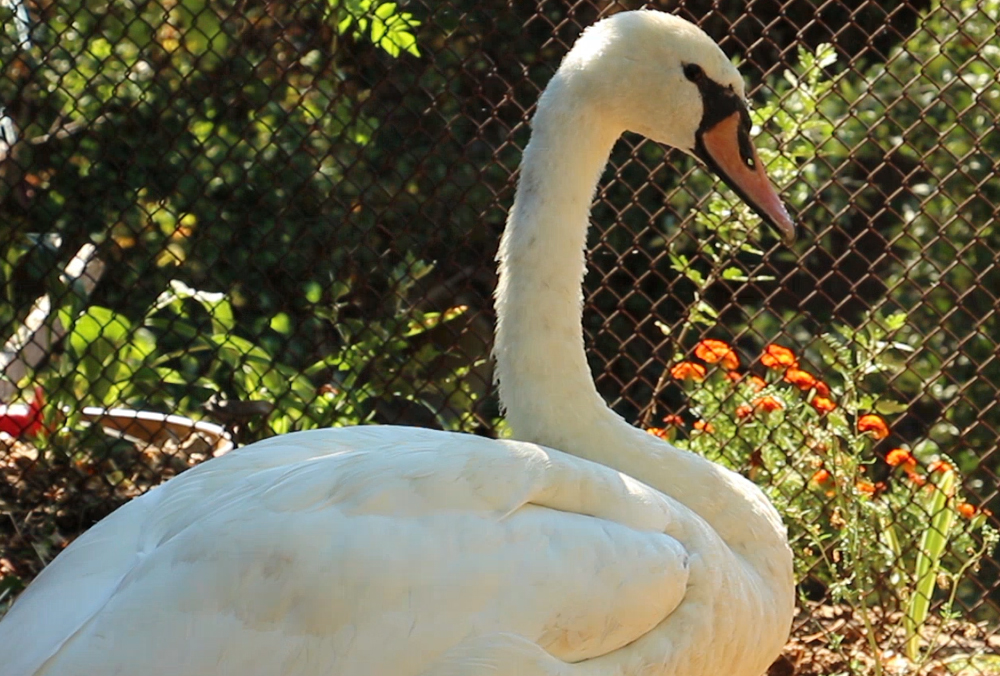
x=830, y=640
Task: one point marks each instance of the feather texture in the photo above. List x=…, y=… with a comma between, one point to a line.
x=329, y=547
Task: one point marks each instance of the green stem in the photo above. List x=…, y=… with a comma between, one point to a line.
x=951, y=600
x=854, y=551
x=929, y=554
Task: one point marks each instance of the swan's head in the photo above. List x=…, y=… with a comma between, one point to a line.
x=663, y=77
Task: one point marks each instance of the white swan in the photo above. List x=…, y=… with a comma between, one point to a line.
x=378, y=551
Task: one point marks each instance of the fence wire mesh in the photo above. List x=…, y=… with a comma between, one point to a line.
x=227, y=219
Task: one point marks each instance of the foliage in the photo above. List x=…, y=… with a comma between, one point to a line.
x=380, y=22
x=921, y=146
x=861, y=523
x=188, y=348
x=874, y=526
x=179, y=129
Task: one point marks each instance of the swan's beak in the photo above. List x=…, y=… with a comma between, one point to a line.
x=727, y=149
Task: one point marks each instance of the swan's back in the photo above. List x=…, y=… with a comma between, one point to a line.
x=355, y=551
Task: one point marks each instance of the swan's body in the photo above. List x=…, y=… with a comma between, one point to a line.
x=389, y=550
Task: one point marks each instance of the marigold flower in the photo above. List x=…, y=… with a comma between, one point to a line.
x=688, y=370
x=767, y=404
x=822, y=389
x=823, y=405
x=717, y=351
x=865, y=487
x=966, y=510
x=874, y=424
x=658, y=432
x=757, y=383
x=915, y=478
x=744, y=411
x=733, y=376
x=821, y=477
x=940, y=466
x=673, y=419
x=703, y=426
x=900, y=457
x=778, y=357
x=803, y=380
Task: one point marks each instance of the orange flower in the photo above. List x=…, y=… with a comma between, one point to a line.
x=673, y=419
x=915, y=478
x=756, y=383
x=940, y=466
x=767, y=404
x=703, y=426
x=822, y=389
x=659, y=432
x=821, y=477
x=744, y=411
x=712, y=351
x=966, y=510
x=688, y=370
x=874, y=424
x=823, y=405
x=900, y=457
x=778, y=357
x=865, y=487
x=803, y=380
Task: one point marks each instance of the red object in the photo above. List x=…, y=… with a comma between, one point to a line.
x=23, y=419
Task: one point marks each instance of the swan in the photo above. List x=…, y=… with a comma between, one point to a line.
x=372, y=551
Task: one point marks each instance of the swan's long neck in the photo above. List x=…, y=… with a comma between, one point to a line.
x=545, y=381
x=542, y=367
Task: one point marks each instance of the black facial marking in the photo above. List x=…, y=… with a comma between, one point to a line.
x=718, y=103
x=743, y=137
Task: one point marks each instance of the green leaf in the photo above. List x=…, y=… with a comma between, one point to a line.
x=281, y=323
x=735, y=274
x=313, y=291
x=424, y=322
x=895, y=321
x=929, y=553
x=694, y=275
x=890, y=407
x=386, y=10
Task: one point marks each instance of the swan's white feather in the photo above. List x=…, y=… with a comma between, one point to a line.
x=498, y=655
x=356, y=551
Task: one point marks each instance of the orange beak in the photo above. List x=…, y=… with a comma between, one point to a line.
x=726, y=148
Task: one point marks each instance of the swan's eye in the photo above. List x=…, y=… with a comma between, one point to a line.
x=694, y=72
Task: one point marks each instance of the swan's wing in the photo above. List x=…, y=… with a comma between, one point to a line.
x=76, y=585
x=499, y=655
x=305, y=555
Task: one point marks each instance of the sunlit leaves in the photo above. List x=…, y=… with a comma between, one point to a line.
x=380, y=22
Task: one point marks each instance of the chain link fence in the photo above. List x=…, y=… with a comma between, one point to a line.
x=226, y=219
